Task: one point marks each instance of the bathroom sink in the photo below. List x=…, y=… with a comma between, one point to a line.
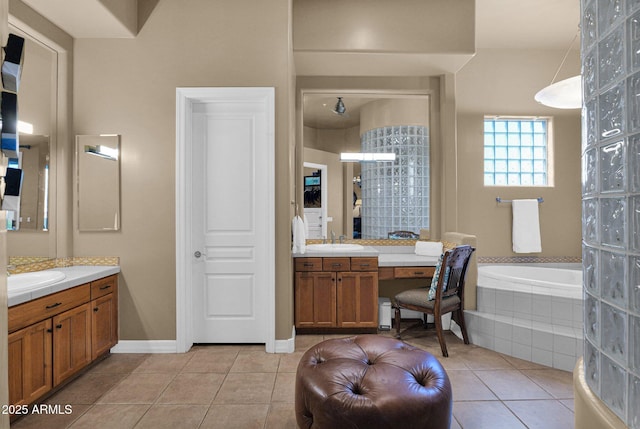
x=335, y=247
x=26, y=282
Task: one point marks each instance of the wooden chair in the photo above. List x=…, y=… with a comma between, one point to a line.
x=449, y=294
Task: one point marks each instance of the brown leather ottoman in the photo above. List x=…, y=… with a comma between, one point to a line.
x=370, y=382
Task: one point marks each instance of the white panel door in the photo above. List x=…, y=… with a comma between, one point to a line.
x=232, y=182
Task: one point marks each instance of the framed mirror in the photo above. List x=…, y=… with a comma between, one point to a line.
x=98, y=182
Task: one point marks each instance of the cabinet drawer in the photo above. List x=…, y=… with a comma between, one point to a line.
x=104, y=286
x=308, y=264
x=364, y=264
x=413, y=272
x=336, y=264
x=42, y=308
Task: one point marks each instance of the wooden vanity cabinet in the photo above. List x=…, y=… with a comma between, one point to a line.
x=30, y=371
x=53, y=338
x=336, y=292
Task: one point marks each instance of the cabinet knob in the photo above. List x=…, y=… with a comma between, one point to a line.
x=105, y=287
x=49, y=307
x=49, y=330
x=95, y=310
x=59, y=326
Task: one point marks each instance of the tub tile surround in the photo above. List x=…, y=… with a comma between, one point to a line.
x=547, y=330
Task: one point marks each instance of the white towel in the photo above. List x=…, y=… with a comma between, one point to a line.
x=299, y=235
x=428, y=248
x=526, y=227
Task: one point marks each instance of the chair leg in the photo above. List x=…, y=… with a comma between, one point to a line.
x=397, y=322
x=459, y=319
x=443, y=345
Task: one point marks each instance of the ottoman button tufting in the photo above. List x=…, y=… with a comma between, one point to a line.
x=371, y=382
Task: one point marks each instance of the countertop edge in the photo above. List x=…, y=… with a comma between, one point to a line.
x=75, y=276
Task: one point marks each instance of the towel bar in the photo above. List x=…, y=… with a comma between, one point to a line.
x=500, y=200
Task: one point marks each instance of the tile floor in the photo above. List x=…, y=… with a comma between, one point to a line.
x=228, y=386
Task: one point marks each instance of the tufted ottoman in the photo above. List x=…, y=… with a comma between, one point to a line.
x=370, y=382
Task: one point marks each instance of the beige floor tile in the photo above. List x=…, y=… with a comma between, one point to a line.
x=173, y=417
x=111, y=416
x=138, y=389
x=545, y=414
x=50, y=421
x=485, y=415
x=246, y=388
x=244, y=416
x=211, y=360
x=255, y=361
x=523, y=364
x=289, y=362
x=192, y=388
x=454, y=423
x=304, y=342
x=468, y=387
x=285, y=387
x=483, y=359
x=164, y=363
x=557, y=382
x=511, y=385
x=87, y=389
x=569, y=403
x=281, y=416
x=120, y=363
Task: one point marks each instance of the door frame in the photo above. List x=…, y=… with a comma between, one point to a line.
x=324, y=191
x=185, y=99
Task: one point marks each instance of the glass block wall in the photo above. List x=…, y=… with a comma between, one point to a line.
x=611, y=202
x=395, y=195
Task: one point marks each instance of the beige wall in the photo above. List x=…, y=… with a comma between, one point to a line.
x=127, y=86
x=504, y=83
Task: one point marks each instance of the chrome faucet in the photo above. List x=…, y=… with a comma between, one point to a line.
x=341, y=238
x=333, y=237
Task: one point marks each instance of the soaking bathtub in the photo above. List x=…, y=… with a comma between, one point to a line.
x=529, y=312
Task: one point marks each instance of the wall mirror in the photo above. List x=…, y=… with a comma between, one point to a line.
x=36, y=233
x=371, y=200
x=98, y=182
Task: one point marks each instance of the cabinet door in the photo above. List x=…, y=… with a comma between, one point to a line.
x=357, y=299
x=104, y=325
x=315, y=299
x=30, y=363
x=71, y=342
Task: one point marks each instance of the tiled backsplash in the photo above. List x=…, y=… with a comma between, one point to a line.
x=27, y=264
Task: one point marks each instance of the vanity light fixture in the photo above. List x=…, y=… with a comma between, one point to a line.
x=565, y=94
x=367, y=157
x=102, y=151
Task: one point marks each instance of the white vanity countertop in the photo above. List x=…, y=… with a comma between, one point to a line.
x=388, y=256
x=75, y=276
x=367, y=251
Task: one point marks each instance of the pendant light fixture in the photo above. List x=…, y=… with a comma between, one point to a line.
x=565, y=94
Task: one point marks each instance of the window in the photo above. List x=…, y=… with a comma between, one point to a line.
x=516, y=151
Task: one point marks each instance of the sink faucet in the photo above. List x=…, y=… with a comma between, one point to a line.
x=341, y=238
x=333, y=237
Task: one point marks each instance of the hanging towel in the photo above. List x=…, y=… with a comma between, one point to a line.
x=428, y=248
x=299, y=236
x=526, y=227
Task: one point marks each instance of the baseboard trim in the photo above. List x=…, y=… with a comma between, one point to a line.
x=145, y=346
x=288, y=345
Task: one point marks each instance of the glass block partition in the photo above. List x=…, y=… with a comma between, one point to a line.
x=395, y=195
x=611, y=202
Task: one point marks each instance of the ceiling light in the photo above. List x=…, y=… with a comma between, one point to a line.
x=565, y=94
x=340, y=109
x=367, y=157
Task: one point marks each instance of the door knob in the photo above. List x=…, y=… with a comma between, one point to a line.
x=197, y=254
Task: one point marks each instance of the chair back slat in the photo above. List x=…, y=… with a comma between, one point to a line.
x=456, y=261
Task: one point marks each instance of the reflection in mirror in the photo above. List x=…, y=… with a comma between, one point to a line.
x=384, y=200
x=31, y=213
x=98, y=180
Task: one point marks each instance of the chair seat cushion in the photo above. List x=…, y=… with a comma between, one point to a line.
x=419, y=297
